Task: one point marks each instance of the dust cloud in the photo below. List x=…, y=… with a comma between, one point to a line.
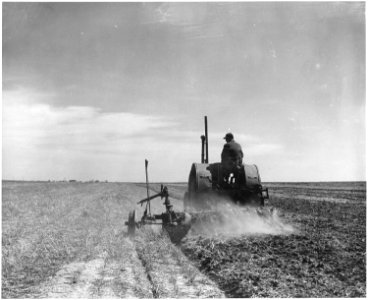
x=229, y=219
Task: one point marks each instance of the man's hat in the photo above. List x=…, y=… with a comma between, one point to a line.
x=229, y=136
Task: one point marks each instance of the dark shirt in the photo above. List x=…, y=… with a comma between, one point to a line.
x=232, y=151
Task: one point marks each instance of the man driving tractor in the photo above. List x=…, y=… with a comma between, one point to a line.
x=231, y=156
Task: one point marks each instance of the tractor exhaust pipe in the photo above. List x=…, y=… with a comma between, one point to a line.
x=204, y=138
x=202, y=153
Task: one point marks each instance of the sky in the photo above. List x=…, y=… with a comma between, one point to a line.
x=91, y=90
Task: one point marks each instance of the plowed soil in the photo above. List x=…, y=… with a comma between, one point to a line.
x=325, y=256
x=68, y=240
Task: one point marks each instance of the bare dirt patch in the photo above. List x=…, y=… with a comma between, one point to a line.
x=104, y=277
x=74, y=280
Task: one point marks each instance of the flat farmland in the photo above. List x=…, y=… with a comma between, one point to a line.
x=69, y=240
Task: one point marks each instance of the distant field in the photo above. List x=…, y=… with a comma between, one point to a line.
x=69, y=240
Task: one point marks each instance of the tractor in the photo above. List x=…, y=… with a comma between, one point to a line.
x=207, y=185
x=209, y=182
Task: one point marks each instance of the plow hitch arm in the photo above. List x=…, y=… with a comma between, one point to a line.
x=163, y=194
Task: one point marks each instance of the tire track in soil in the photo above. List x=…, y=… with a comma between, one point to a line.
x=170, y=272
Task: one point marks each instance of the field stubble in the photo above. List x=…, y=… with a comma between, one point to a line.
x=68, y=240
x=53, y=227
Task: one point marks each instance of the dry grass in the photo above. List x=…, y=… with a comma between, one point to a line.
x=47, y=225
x=69, y=240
